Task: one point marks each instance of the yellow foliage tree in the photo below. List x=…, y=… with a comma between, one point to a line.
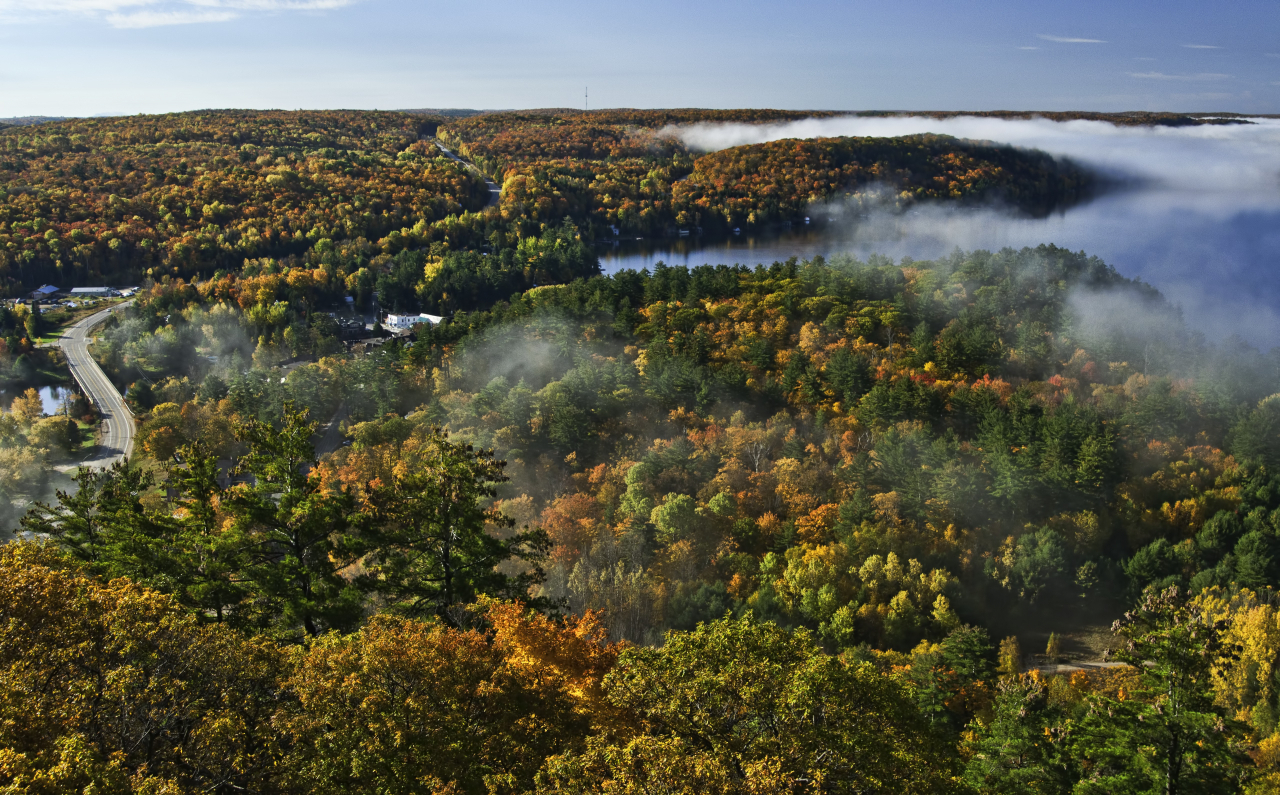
x=108, y=685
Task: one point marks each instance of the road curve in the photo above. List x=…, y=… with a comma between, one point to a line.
x=117, y=427
x=495, y=192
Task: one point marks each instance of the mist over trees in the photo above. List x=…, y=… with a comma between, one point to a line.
x=797, y=528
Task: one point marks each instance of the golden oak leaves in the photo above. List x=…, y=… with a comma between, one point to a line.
x=403, y=706
x=1244, y=683
x=572, y=654
x=112, y=687
x=103, y=683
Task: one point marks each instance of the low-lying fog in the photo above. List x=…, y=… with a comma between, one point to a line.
x=1201, y=223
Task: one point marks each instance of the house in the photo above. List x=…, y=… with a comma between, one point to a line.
x=366, y=345
x=405, y=322
x=43, y=293
x=92, y=292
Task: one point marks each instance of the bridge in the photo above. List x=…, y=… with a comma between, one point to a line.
x=117, y=427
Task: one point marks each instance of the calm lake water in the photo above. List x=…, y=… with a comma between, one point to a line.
x=1206, y=233
x=52, y=397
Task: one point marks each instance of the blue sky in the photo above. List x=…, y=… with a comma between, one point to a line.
x=86, y=57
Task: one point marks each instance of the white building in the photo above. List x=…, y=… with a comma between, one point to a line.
x=41, y=293
x=402, y=322
x=92, y=292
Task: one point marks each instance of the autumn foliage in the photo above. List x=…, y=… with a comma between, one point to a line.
x=94, y=199
x=778, y=181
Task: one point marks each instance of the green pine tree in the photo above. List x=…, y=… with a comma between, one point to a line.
x=297, y=536
x=1018, y=751
x=210, y=559
x=427, y=542
x=104, y=525
x=1167, y=735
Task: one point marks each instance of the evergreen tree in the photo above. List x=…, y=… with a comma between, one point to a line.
x=428, y=539
x=1096, y=464
x=211, y=560
x=1167, y=735
x=967, y=652
x=849, y=376
x=1018, y=751
x=297, y=536
x=103, y=524
x=76, y=524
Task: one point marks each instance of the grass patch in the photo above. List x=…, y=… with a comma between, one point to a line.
x=66, y=318
x=88, y=436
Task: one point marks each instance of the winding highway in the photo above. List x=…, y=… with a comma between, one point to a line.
x=117, y=428
x=495, y=191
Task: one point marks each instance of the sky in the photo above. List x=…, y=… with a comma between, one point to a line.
x=114, y=57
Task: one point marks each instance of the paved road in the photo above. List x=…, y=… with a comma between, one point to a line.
x=1069, y=668
x=329, y=436
x=116, y=442
x=495, y=192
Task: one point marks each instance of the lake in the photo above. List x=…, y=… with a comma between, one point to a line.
x=51, y=398
x=1202, y=222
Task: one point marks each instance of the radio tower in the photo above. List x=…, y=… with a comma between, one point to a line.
x=584, y=97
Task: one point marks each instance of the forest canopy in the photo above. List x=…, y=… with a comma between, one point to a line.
x=628, y=170
x=803, y=527
x=92, y=200
x=778, y=181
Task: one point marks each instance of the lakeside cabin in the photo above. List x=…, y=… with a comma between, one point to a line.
x=406, y=322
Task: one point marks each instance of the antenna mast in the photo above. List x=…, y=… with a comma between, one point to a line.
x=584, y=97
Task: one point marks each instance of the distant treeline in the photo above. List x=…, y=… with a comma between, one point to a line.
x=778, y=181
x=89, y=200
x=95, y=200
x=626, y=170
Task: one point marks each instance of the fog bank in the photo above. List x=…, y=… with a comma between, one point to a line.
x=1235, y=157
x=1202, y=225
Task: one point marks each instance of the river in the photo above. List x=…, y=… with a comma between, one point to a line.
x=1201, y=222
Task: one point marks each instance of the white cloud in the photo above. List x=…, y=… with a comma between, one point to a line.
x=1068, y=39
x=1208, y=157
x=153, y=13
x=274, y=5
x=1163, y=76
x=1202, y=47
x=68, y=6
x=1028, y=48
x=155, y=19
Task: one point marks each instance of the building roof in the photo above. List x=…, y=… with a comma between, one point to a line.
x=419, y=318
x=75, y=290
x=46, y=289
